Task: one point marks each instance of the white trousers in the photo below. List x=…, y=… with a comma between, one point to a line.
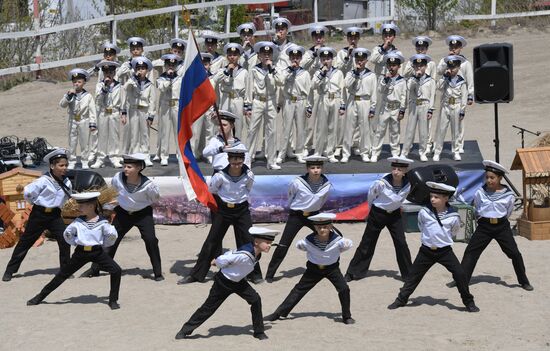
x=417, y=119
x=107, y=142
x=293, y=115
x=139, y=131
x=450, y=115
x=326, y=130
x=167, y=126
x=79, y=133
x=263, y=112
x=357, y=117
x=387, y=118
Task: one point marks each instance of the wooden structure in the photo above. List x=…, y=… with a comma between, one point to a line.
x=534, y=223
x=16, y=210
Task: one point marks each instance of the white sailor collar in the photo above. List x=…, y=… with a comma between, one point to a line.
x=333, y=238
x=248, y=250
x=497, y=195
x=245, y=172
x=324, y=182
x=387, y=181
x=100, y=221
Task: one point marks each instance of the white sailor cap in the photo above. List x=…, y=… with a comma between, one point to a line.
x=78, y=73
x=360, y=52
x=295, y=49
x=236, y=151
x=394, y=57
x=178, y=43
x=281, y=21
x=315, y=160
x=248, y=28
x=455, y=39
x=141, y=61
x=110, y=47
x=86, y=197
x=326, y=51
x=265, y=46
x=494, y=167
x=210, y=36
x=420, y=59
x=390, y=27
x=353, y=31
x=229, y=116
x=170, y=58
x=55, y=154
x=263, y=233
x=441, y=188
x=318, y=29
x=400, y=161
x=207, y=56
x=233, y=48
x=135, y=41
x=135, y=158
x=454, y=60
x=322, y=218
x=422, y=40
x=108, y=64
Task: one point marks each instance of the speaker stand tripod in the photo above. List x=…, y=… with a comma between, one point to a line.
x=496, y=141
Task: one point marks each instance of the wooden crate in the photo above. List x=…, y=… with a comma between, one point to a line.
x=534, y=230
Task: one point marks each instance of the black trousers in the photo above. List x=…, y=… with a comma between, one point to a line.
x=296, y=221
x=376, y=221
x=79, y=259
x=143, y=220
x=484, y=234
x=37, y=223
x=425, y=259
x=239, y=218
x=221, y=289
x=313, y=275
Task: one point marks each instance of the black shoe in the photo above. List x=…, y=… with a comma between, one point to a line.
x=527, y=287
x=471, y=307
x=90, y=273
x=272, y=317
x=187, y=280
x=348, y=277
x=260, y=336
x=7, y=276
x=158, y=278
x=256, y=280
x=349, y=320
x=269, y=280
x=35, y=300
x=183, y=334
x=451, y=284
x=114, y=305
x=396, y=304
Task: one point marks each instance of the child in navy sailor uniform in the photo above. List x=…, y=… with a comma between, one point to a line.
x=438, y=222
x=136, y=194
x=231, y=188
x=494, y=203
x=48, y=194
x=231, y=278
x=385, y=198
x=323, y=249
x=90, y=233
x=306, y=196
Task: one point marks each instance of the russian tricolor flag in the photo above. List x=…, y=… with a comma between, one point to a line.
x=196, y=97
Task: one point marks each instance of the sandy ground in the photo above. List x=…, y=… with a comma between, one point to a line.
x=76, y=315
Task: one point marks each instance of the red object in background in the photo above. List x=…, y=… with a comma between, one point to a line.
x=267, y=7
x=358, y=213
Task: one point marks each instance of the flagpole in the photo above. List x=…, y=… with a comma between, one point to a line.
x=187, y=20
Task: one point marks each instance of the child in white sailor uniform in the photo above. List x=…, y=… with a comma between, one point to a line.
x=361, y=106
x=310, y=60
x=263, y=94
x=177, y=48
x=231, y=188
x=454, y=97
x=216, y=146
x=438, y=222
x=231, y=83
x=307, y=194
x=421, y=94
x=235, y=266
x=494, y=203
x=282, y=26
x=330, y=108
x=377, y=58
x=392, y=98
x=344, y=58
x=456, y=43
x=90, y=233
x=139, y=106
x=108, y=97
x=323, y=248
x=168, y=84
x=136, y=194
x=82, y=118
x=48, y=194
x=211, y=44
x=296, y=85
x=421, y=44
x=110, y=52
x=385, y=198
x=249, y=58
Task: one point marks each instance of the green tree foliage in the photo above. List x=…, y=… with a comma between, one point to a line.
x=432, y=11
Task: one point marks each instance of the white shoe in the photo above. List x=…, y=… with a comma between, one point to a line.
x=279, y=160
x=345, y=159
x=374, y=159
x=148, y=162
x=156, y=158
x=395, y=154
x=116, y=163
x=365, y=158
x=71, y=165
x=403, y=154
x=333, y=159
x=457, y=157
x=209, y=159
x=85, y=165
x=274, y=166
x=300, y=159
x=436, y=158
x=164, y=162
x=290, y=155
x=461, y=151
x=97, y=164
x=423, y=158
x=337, y=151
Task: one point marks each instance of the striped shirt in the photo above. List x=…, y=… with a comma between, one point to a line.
x=321, y=245
x=91, y=223
x=132, y=187
x=315, y=186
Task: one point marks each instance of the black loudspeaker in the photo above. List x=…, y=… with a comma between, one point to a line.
x=493, y=73
x=85, y=180
x=420, y=194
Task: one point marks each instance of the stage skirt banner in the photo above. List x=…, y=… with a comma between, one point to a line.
x=269, y=197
